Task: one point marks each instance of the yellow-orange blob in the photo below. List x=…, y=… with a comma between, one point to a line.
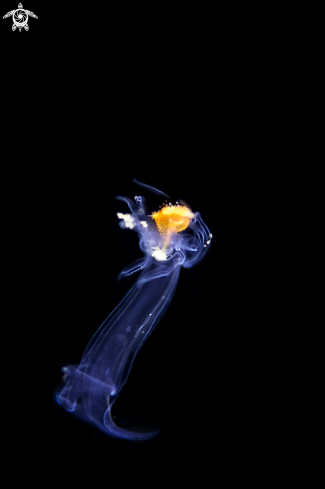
x=172, y=219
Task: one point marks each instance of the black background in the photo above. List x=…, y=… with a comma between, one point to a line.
x=209, y=107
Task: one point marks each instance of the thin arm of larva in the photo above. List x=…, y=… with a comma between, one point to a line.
x=151, y=189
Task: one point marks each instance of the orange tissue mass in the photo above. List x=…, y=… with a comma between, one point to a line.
x=172, y=218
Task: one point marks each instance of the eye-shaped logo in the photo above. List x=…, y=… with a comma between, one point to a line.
x=20, y=18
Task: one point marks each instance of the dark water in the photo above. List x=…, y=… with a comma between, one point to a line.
x=204, y=108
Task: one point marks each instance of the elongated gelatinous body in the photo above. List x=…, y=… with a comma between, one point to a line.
x=170, y=238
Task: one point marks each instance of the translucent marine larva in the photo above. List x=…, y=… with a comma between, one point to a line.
x=170, y=238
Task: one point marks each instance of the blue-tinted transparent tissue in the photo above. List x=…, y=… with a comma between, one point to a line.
x=171, y=238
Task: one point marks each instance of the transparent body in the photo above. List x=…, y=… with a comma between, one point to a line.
x=90, y=388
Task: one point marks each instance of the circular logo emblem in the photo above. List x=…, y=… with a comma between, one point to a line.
x=20, y=18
